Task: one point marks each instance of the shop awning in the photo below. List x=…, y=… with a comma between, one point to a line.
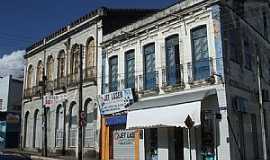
x=174, y=99
x=168, y=116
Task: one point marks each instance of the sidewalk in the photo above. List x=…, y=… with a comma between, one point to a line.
x=37, y=156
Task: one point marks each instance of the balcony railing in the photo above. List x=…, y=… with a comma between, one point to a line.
x=173, y=77
x=200, y=71
x=60, y=82
x=90, y=74
x=148, y=82
x=50, y=86
x=28, y=93
x=37, y=91
x=73, y=79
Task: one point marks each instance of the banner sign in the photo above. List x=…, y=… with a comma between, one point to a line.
x=51, y=100
x=114, y=102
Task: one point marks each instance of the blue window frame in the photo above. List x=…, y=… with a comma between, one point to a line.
x=200, y=55
x=172, y=60
x=130, y=69
x=149, y=67
x=113, y=73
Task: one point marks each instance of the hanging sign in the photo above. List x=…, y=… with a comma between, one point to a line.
x=114, y=102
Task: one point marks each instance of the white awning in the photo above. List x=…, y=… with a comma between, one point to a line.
x=169, y=116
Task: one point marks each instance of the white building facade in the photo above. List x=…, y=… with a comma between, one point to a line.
x=192, y=59
x=56, y=58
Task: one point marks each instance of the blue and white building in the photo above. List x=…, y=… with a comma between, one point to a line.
x=203, y=59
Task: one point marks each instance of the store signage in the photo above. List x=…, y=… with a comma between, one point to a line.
x=124, y=137
x=116, y=120
x=50, y=100
x=114, y=102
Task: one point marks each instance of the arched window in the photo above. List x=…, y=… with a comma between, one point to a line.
x=50, y=68
x=37, y=130
x=39, y=72
x=59, y=130
x=72, y=125
x=29, y=76
x=74, y=59
x=26, y=130
x=90, y=128
x=61, y=64
x=90, y=58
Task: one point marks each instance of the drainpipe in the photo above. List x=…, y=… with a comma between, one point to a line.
x=261, y=107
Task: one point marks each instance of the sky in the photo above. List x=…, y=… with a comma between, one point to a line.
x=23, y=22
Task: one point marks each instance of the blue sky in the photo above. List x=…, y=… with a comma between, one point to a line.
x=23, y=22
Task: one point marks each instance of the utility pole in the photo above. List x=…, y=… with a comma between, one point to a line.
x=44, y=114
x=43, y=85
x=80, y=135
x=67, y=44
x=261, y=106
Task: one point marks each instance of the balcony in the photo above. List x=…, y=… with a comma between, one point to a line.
x=148, y=84
x=90, y=74
x=73, y=79
x=200, y=72
x=37, y=91
x=49, y=86
x=173, y=78
x=60, y=83
x=28, y=93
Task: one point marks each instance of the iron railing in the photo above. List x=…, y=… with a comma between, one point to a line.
x=60, y=82
x=173, y=76
x=49, y=85
x=200, y=71
x=73, y=79
x=90, y=74
x=147, y=82
x=28, y=93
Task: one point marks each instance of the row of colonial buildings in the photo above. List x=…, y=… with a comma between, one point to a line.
x=149, y=74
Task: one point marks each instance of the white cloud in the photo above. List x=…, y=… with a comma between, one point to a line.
x=12, y=64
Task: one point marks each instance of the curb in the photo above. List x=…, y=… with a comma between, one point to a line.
x=43, y=158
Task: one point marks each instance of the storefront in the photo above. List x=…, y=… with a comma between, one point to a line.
x=165, y=133
x=122, y=144
x=156, y=129
x=117, y=142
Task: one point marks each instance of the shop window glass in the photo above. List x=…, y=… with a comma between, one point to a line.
x=151, y=144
